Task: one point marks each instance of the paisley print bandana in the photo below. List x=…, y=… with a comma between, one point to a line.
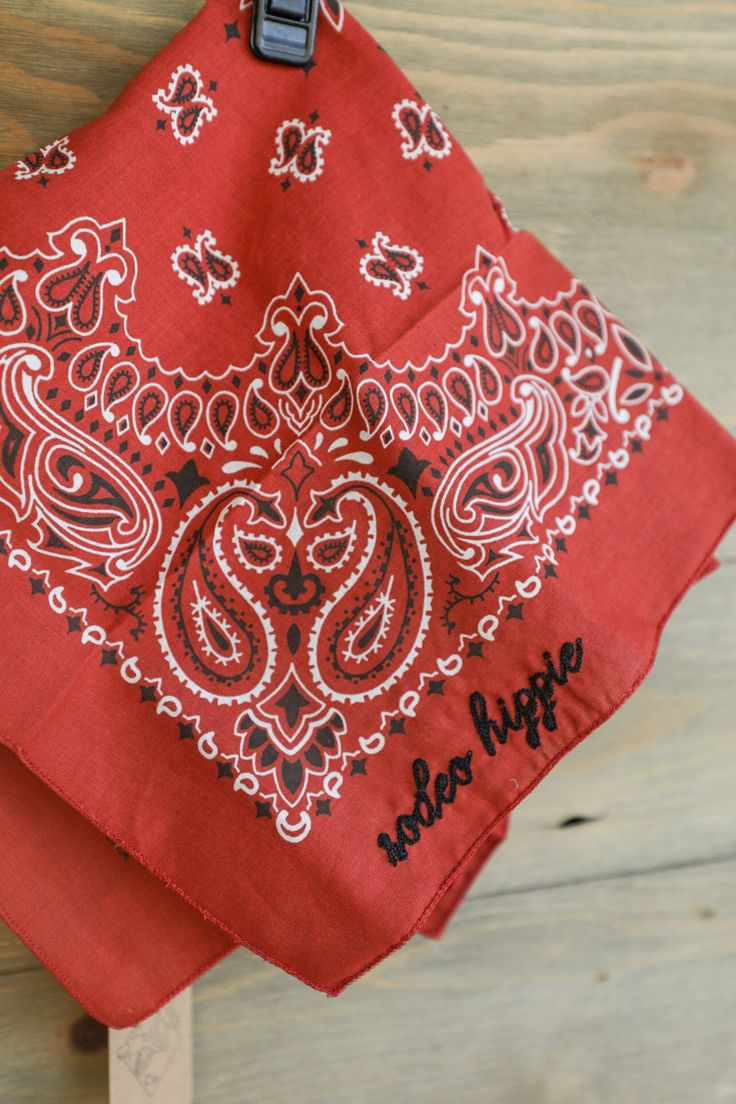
x=334, y=511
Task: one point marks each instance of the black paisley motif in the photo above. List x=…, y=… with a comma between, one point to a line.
x=11, y=443
x=372, y=629
x=187, y=87
x=215, y=634
x=260, y=416
x=503, y=326
x=12, y=311
x=119, y=383
x=78, y=289
x=222, y=415
x=149, y=404
x=78, y=486
x=372, y=401
x=434, y=404
x=86, y=366
x=459, y=388
x=406, y=405
x=301, y=356
x=338, y=409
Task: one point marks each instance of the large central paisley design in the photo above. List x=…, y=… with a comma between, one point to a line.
x=343, y=583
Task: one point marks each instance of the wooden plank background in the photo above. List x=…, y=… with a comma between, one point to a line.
x=593, y=964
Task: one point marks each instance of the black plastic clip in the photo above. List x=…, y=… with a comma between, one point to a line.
x=284, y=30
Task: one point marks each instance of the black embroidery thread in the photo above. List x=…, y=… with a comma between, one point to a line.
x=532, y=705
x=526, y=702
x=426, y=811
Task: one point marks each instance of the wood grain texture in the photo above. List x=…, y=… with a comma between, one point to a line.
x=595, y=963
x=621, y=992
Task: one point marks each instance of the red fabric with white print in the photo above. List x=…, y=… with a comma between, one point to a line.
x=334, y=510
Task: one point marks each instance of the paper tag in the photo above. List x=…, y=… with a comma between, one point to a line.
x=152, y=1061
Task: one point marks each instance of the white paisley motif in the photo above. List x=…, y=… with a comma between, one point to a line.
x=13, y=312
x=494, y=494
x=204, y=267
x=422, y=133
x=85, y=504
x=391, y=266
x=78, y=291
x=334, y=10
x=299, y=150
x=222, y=650
x=186, y=104
x=51, y=160
x=371, y=638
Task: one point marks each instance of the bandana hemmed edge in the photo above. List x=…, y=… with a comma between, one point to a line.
x=437, y=922
x=90, y=1005
x=702, y=568
x=439, y=919
x=40, y=852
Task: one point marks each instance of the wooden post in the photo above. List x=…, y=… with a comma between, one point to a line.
x=152, y=1061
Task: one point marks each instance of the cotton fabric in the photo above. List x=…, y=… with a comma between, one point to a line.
x=334, y=511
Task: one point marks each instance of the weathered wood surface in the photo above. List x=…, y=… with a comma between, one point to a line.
x=596, y=963
x=619, y=990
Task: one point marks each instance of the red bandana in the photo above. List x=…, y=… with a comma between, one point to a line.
x=334, y=510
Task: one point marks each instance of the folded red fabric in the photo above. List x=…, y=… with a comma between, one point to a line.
x=334, y=510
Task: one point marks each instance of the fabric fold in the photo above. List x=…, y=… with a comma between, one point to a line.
x=112, y=934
